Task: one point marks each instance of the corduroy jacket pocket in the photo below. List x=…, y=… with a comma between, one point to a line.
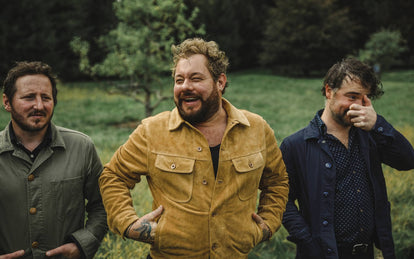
x=248, y=172
x=175, y=176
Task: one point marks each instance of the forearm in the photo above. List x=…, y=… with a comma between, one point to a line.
x=117, y=201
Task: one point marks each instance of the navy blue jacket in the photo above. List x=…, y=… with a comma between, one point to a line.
x=312, y=171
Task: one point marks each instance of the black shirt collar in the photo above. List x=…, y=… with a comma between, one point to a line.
x=33, y=154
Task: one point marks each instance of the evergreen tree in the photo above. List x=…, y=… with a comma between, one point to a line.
x=139, y=48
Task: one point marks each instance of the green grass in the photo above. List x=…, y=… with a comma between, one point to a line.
x=288, y=104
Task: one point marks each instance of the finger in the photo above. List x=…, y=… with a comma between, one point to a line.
x=366, y=101
x=57, y=251
x=16, y=254
x=355, y=106
x=257, y=218
x=156, y=213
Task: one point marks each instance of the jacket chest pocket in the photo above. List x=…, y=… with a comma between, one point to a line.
x=174, y=176
x=248, y=173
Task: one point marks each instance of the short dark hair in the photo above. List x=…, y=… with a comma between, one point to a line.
x=356, y=71
x=24, y=68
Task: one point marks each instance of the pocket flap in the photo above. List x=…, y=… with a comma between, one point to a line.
x=248, y=163
x=174, y=164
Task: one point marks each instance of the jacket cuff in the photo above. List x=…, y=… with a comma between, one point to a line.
x=383, y=127
x=87, y=242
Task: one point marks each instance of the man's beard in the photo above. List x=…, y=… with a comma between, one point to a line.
x=341, y=119
x=21, y=121
x=208, y=108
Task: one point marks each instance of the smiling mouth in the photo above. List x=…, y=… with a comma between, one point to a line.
x=190, y=99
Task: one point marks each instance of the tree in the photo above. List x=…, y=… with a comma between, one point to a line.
x=237, y=26
x=383, y=49
x=42, y=30
x=139, y=47
x=306, y=35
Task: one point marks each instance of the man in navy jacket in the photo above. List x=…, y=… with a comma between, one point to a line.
x=335, y=173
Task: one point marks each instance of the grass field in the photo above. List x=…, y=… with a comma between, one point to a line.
x=288, y=104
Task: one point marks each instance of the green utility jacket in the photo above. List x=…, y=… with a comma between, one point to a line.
x=42, y=203
x=204, y=216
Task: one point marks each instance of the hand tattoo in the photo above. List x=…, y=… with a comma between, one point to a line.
x=144, y=231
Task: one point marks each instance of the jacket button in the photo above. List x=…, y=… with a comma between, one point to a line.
x=204, y=182
x=380, y=129
x=199, y=149
x=328, y=165
x=172, y=166
x=329, y=251
x=35, y=244
x=250, y=164
x=325, y=223
x=32, y=211
x=31, y=177
x=325, y=194
x=214, y=246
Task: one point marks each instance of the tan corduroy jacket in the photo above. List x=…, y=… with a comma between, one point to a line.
x=204, y=216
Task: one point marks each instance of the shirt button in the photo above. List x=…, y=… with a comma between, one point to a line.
x=35, y=244
x=328, y=165
x=32, y=211
x=325, y=194
x=329, y=251
x=199, y=149
x=31, y=156
x=173, y=166
x=31, y=177
x=380, y=129
x=323, y=141
x=325, y=223
x=205, y=182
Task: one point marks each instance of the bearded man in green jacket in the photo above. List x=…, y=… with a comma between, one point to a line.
x=46, y=173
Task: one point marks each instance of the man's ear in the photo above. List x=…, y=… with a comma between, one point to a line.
x=221, y=82
x=328, y=92
x=6, y=103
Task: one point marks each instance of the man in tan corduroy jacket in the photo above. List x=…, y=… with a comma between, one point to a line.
x=204, y=162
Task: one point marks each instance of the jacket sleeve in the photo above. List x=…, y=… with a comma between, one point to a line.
x=89, y=238
x=394, y=149
x=293, y=221
x=274, y=184
x=119, y=176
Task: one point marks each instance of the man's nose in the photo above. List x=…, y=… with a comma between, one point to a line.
x=38, y=103
x=187, y=85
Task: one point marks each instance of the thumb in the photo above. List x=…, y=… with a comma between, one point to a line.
x=257, y=218
x=366, y=101
x=157, y=212
x=54, y=252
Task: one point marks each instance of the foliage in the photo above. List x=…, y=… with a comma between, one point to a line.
x=400, y=191
x=42, y=30
x=287, y=104
x=237, y=26
x=303, y=36
x=138, y=48
x=383, y=49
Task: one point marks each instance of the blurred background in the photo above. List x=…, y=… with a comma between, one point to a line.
x=289, y=37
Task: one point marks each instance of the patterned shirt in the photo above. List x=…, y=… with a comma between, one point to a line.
x=354, y=202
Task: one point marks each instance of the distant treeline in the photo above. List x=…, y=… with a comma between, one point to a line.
x=282, y=35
